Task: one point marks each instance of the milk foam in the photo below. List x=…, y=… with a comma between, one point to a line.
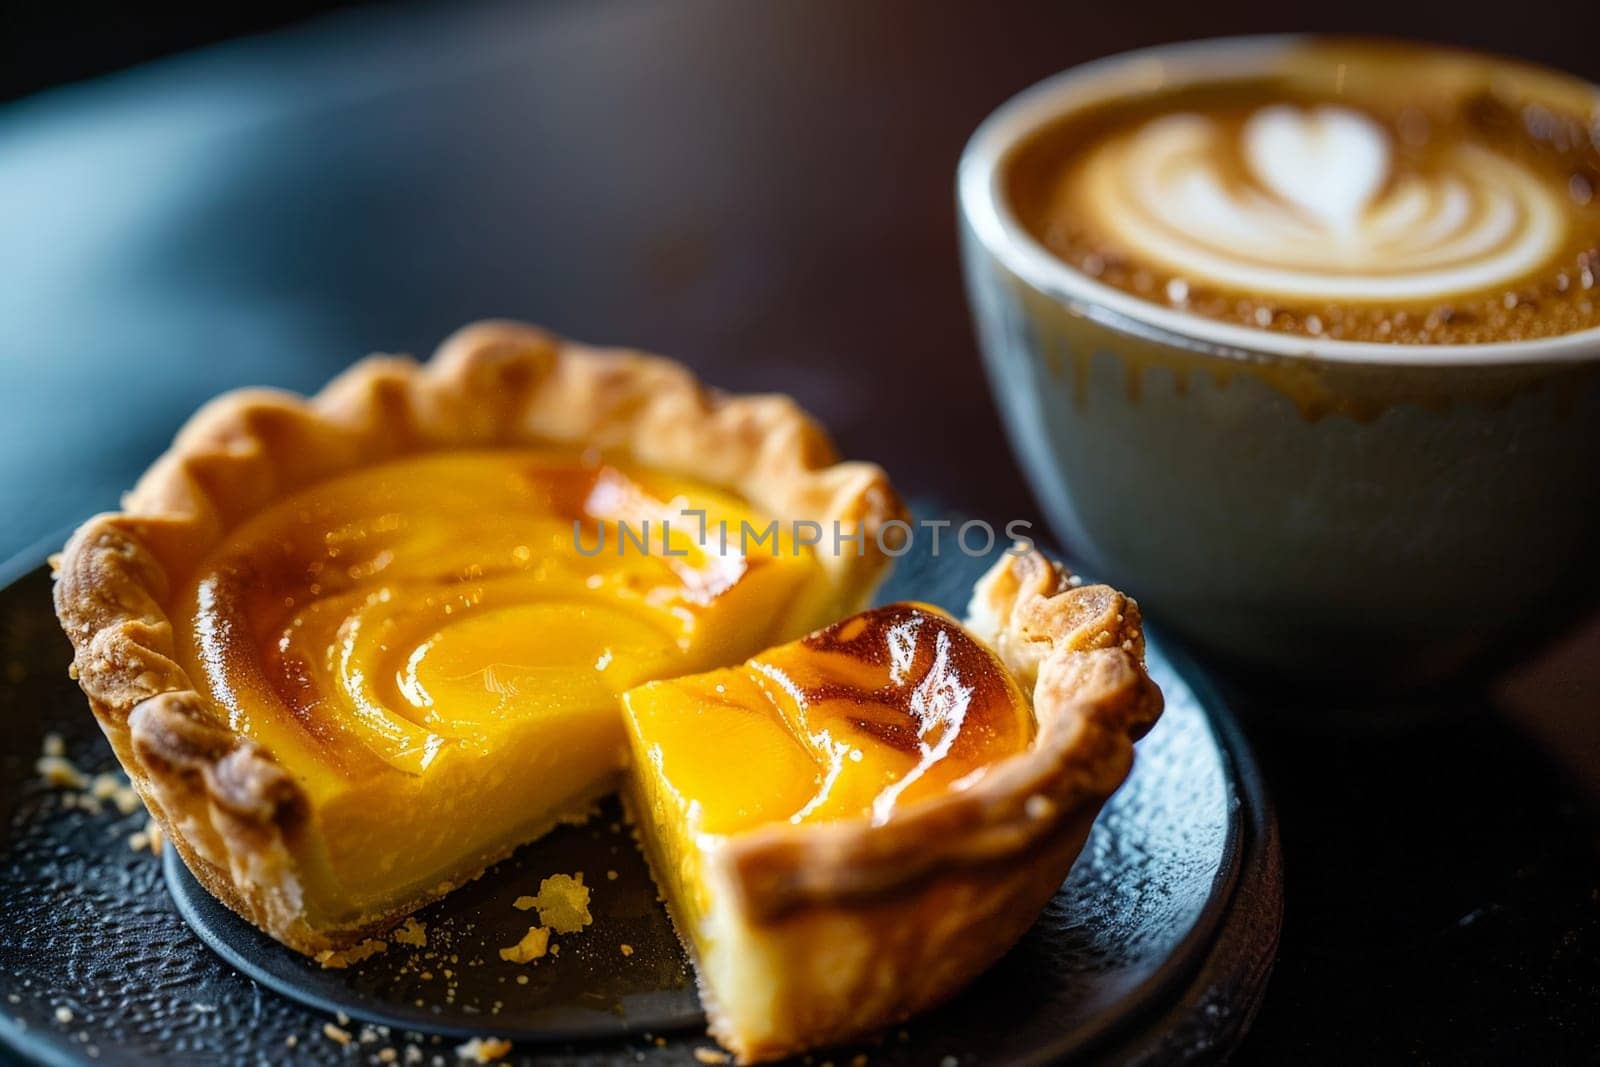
x=1310, y=203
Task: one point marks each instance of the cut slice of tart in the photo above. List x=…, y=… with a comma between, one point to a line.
x=352, y=650
x=849, y=827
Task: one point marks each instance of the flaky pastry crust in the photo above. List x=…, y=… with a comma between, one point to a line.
x=914, y=907
x=226, y=804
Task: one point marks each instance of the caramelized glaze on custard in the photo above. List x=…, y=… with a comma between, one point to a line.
x=876, y=711
x=429, y=605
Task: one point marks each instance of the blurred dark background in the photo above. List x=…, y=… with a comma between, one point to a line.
x=763, y=190
x=46, y=44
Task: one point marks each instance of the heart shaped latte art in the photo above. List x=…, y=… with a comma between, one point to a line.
x=1319, y=208
x=1328, y=163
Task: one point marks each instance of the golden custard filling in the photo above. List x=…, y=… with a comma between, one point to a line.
x=446, y=636
x=880, y=710
x=438, y=648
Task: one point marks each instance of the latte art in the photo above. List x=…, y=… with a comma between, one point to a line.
x=1348, y=190
x=1308, y=203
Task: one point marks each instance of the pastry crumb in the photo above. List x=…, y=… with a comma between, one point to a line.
x=523, y=903
x=483, y=1049
x=59, y=772
x=81, y=791
x=335, y=960
x=63, y=1014
x=148, y=838
x=336, y=1034
x=412, y=932
x=563, y=903
x=627, y=950
x=711, y=1055
x=534, y=944
x=115, y=788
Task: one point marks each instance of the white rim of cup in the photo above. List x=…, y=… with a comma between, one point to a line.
x=983, y=204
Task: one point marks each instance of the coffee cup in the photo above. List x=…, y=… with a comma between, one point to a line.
x=1298, y=340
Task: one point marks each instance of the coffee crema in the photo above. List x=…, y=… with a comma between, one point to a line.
x=1359, y=191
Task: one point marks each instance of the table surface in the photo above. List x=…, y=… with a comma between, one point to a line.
x=765, y=192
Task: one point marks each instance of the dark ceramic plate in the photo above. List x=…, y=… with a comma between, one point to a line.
x=1156, y=948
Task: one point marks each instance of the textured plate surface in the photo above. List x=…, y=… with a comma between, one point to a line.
x=450, y=985
x=1156, y=947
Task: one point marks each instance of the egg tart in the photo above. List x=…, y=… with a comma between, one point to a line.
x=354, y=649
x=848, y=828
